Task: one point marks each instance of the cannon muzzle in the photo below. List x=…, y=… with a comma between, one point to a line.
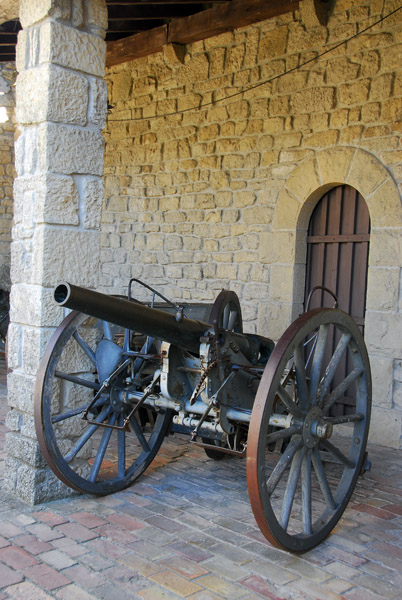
x=132, y=315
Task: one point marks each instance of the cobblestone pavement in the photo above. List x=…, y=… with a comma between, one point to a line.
x=186, y=530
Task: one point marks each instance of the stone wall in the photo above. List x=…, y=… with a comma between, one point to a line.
x=200, y=177
x=7, y=171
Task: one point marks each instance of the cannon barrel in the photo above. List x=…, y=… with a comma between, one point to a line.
x=132, y=315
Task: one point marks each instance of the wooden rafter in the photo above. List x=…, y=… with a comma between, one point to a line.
x=220, y=18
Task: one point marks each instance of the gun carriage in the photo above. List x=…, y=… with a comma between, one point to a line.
x=119, y=375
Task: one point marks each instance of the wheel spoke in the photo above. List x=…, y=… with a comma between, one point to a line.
x=82, y=440
x=78, y=380
x=139, y=434
x=291, y=485
x=338, y=454
x=121, y=449
x=232, y=319
x=339, y=391
x=102, y=450
x=345, y=419
x=283, y=434
x=322, y=479
x=332, y=366
x=306, y=493
x=283, y=463
x=288, y=402
x=76, y=411
x=107, y=332
x=302, y=388
x=318, y=358
x=85, y=347
x=225, y=317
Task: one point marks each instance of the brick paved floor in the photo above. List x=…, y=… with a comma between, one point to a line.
x=186, y=530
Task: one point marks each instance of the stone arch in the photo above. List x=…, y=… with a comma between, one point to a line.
x=338, y=166
x=306, y=185
x=284, y=250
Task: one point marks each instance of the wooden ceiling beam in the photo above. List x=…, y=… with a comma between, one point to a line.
x=199, y=26
x=226, y=18
x=135, y=46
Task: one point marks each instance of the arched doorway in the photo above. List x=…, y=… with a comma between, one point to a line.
x=337, y=250
x=337, y=258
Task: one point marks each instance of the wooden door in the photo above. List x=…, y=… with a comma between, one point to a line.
x=337, y=257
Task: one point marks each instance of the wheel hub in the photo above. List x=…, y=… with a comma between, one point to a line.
x=119, y=399
x=315, y=428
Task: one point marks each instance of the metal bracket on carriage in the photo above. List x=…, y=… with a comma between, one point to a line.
x=322, y=288
x=126, y=423
x=240, y=453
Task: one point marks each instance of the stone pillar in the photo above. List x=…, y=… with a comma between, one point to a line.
x=61, y=110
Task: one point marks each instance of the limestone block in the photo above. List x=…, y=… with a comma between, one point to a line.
x=341, y=69
x=34, y=341
x=226, y=271
x=391, y=57
x=14, y=420
x=385, y=206
x=312, y=100
x=96, y=13
x=34, y=305
x=385, y=247
x=91, y=202
x=77, y=13
x=55, y=256
x=354, y=93
x=273, y=43
x=24, y=449
x=33, y=485
x=63, y=96
x=383, y=333
x=281, y=283
x=122, y=85
x=26, y=151
x=64, y=149
x=334, y=164
x=382, y=377
x=392, y=110
x=398, y=370
x=257, y=215
x=385, y=428
x=321, y=139
x=397, y=397
x=287, y=210
x=97, y=111
x=277, y=247
x=303, y=181
x=21, y=259
x=33, y=11
x=383, y=289
x=13, y=347
x=273, y=319
x=72, y=48
x=366, y=173
x=47, y=198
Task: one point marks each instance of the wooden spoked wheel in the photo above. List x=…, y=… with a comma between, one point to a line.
x=301, y=474
x=89, y=359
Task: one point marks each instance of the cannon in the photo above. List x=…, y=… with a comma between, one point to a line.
x=119, y=375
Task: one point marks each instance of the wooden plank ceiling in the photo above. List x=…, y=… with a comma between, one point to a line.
x=140, y=27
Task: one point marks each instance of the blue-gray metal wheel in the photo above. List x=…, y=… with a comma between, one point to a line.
x=86, y=427
x=225, y=314
x=303, y=456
